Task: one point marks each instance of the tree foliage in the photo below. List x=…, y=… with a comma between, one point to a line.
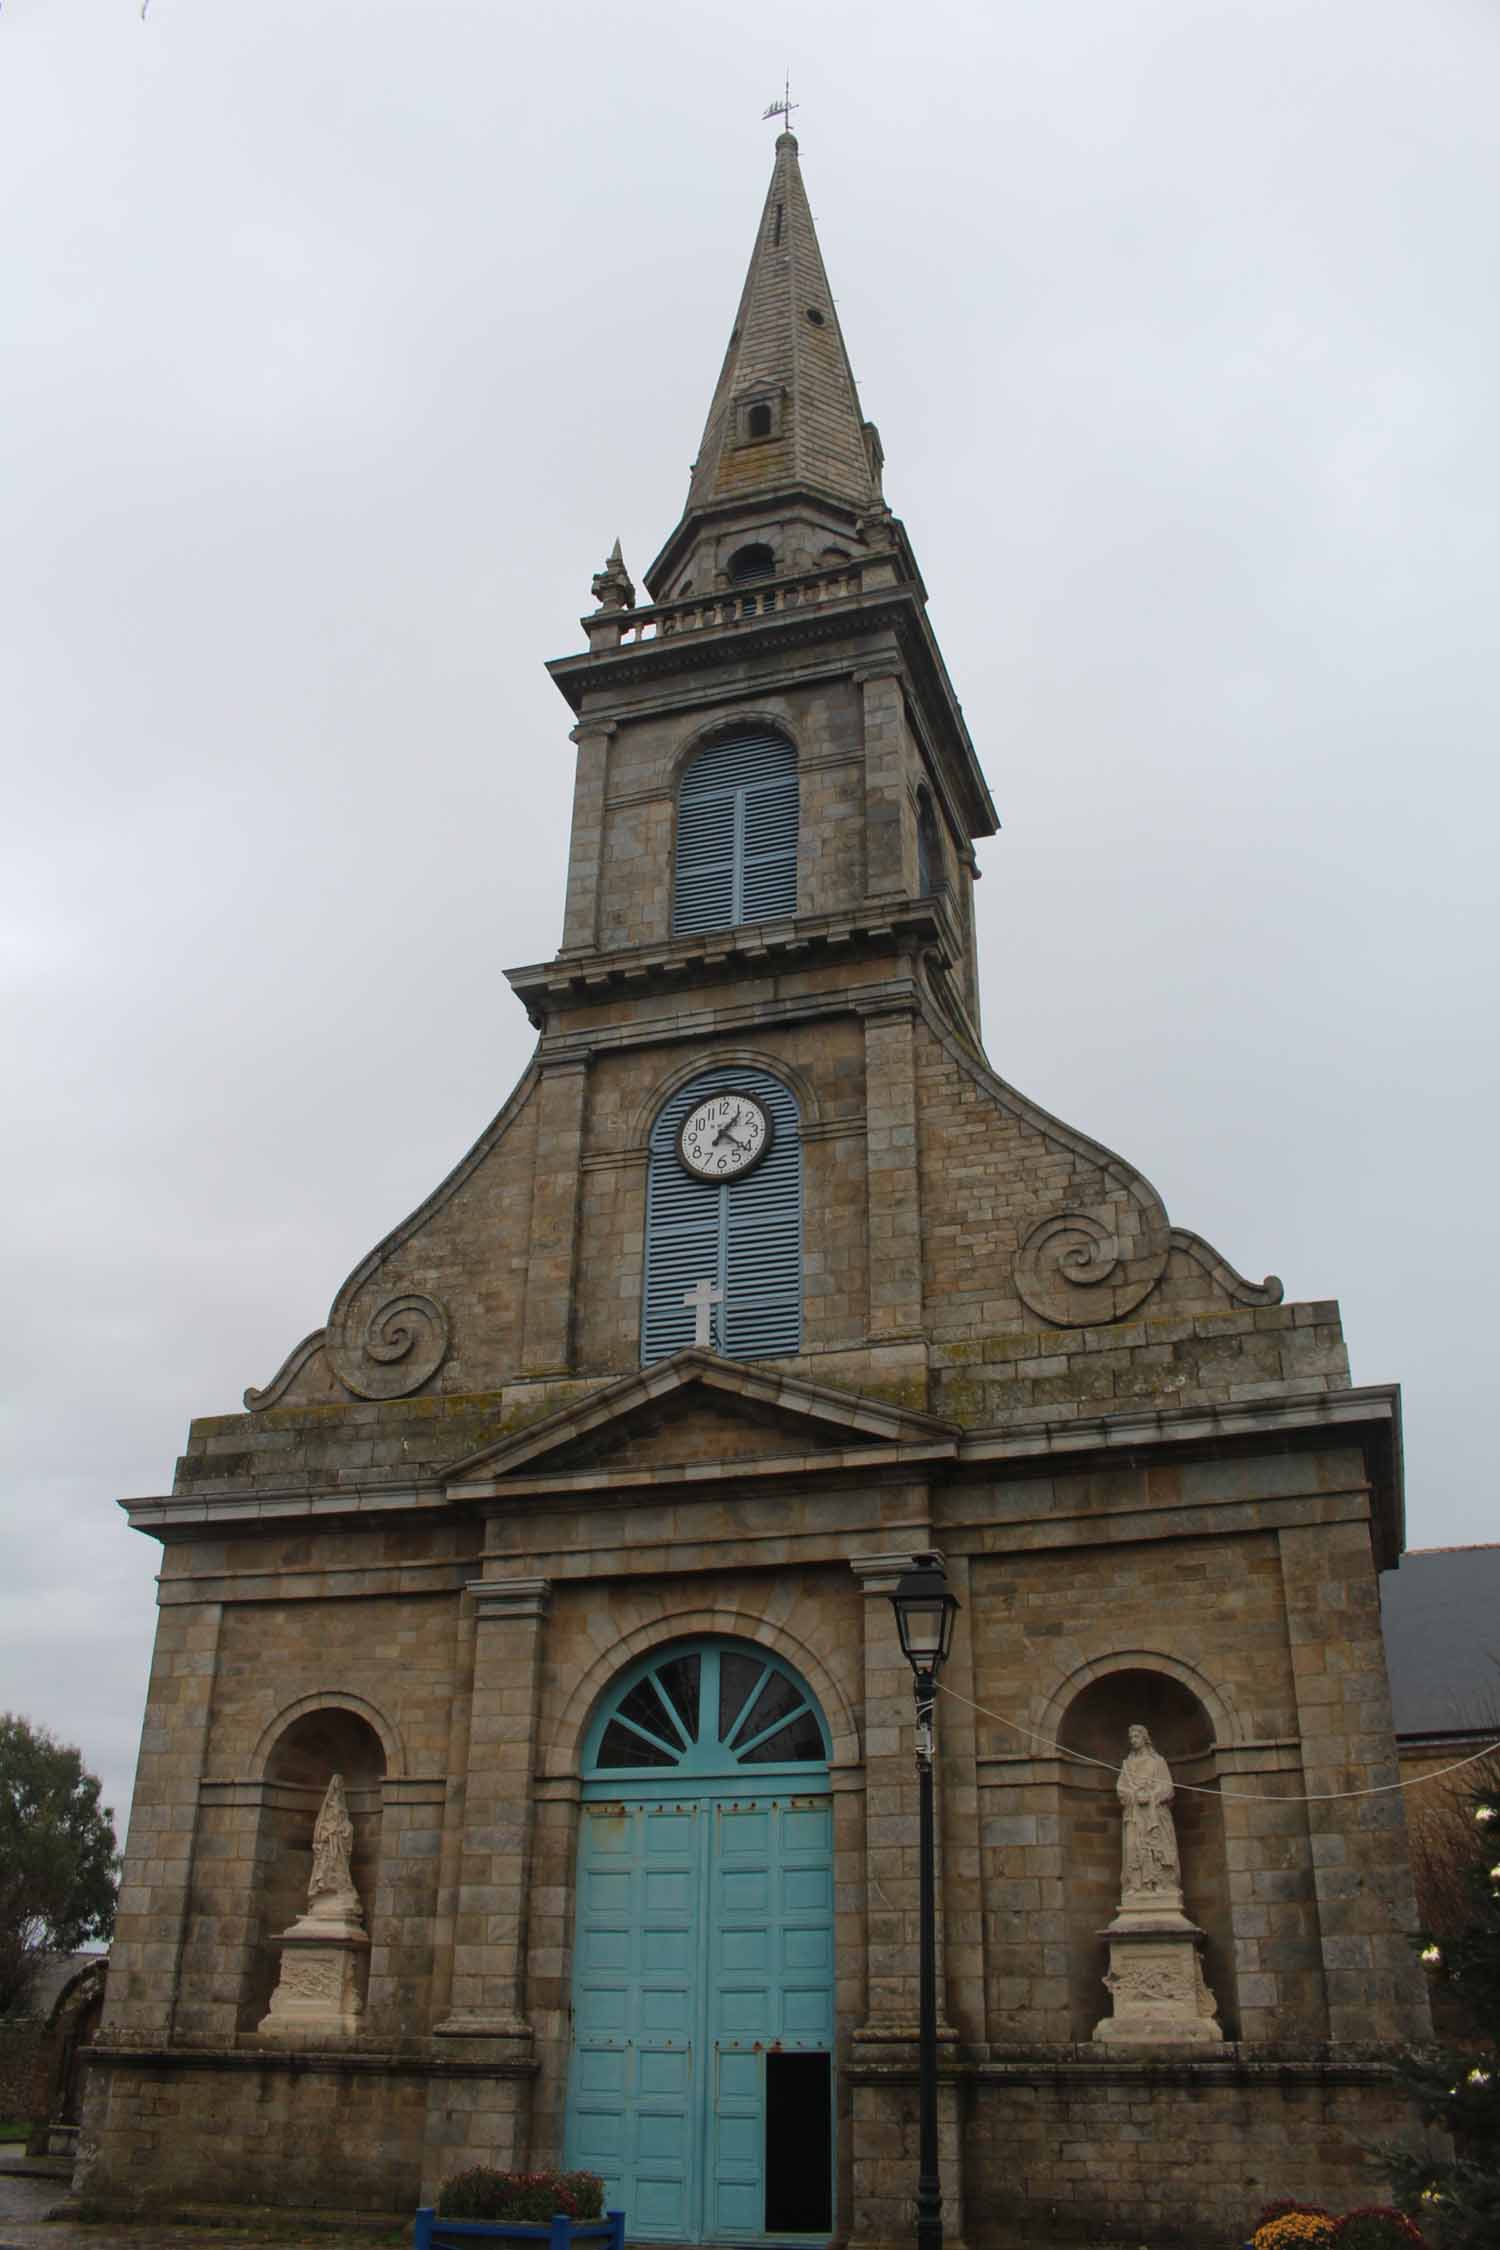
x=58, y=1859
x=1457, y=2086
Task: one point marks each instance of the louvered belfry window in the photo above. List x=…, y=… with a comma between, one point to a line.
x=744, y=1236
x=737, y=834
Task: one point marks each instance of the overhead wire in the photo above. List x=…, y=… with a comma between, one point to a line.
x=1230, y=1796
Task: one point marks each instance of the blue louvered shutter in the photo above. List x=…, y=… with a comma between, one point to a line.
x=745, y=1236
x=737, y=834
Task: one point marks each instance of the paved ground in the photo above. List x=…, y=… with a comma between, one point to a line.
x=24, y=2225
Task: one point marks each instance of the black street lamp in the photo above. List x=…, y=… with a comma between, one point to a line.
x=925, y=1610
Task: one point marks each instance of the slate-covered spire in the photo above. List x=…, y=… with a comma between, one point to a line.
x=787, y=356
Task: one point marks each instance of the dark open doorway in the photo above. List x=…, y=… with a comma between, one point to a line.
x=799, y=2144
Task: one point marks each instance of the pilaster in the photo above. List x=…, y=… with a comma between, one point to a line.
x=1361, y=1870
x=488, y=1990
x=586, y=847
x=551, y=1269
x=146, y=1958
x=892, y=1872
x=893, y=1178
x=887, y=872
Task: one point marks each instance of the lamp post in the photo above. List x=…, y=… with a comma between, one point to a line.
x=925, y=1610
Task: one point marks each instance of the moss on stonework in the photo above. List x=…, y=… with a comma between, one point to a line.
x=961, y=1401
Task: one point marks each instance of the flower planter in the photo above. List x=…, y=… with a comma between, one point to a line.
x=434, y=2233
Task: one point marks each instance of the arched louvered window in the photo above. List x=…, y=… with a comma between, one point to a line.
x=737, y=834
x=744, y=1236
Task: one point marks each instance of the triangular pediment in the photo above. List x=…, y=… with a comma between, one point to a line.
x=698, y=1413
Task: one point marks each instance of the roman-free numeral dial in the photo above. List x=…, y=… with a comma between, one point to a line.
x=725, y=1137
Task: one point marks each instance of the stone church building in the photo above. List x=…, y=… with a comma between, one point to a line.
x=566, y=1544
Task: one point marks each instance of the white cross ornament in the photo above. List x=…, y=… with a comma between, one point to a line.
x=700, y=1300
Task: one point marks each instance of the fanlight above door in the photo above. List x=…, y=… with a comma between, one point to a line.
x=710, y=1708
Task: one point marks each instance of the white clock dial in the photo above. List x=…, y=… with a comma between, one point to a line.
x=725, y=1137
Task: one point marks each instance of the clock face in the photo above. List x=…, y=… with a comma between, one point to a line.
x=725, y=1137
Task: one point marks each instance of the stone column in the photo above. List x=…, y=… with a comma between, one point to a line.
x=884, y=2061
x=546, y=1346
x=893, y=1179
x=488, y=1991
x=484, y=2115
x=586, y=849
x=1361, y=1871
x=155, y=1893
x=961, y=1997
x=890, y=1808
x=888, y=873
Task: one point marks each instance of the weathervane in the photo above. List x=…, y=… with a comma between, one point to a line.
x=785, y=106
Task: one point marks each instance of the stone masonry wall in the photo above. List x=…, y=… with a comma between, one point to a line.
x=319, y=2132
x=1161, y=2155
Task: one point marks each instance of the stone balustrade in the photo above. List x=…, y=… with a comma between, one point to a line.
x=733, y=605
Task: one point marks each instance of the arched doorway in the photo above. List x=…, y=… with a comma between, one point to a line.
x=701, y=2081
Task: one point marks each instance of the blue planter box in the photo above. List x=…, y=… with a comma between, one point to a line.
x=433, y=2233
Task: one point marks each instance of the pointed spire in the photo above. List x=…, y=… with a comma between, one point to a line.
x=786, y=412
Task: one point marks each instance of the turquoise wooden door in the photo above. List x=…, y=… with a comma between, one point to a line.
x=703, y=1951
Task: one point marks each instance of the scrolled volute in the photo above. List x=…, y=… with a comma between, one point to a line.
x=1073, y=1270
x=401, y=1345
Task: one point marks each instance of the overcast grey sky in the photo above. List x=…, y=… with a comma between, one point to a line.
x=339, y=338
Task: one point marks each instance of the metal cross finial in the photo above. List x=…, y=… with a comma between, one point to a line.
x=784, y=107
x=700, y=1300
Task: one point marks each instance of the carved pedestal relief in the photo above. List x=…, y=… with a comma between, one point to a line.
x=318, y=1993
x=1155, y=1976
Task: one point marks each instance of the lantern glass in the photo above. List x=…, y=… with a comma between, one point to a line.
x=925, y=1610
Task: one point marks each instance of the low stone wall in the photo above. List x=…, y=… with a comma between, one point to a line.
x=306, y=2131
x=25, y=2069
x=1167, y=2154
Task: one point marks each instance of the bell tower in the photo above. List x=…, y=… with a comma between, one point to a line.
x=787, y=591
x=776, y=797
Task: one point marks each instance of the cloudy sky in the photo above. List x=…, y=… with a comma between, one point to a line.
x=339, y=339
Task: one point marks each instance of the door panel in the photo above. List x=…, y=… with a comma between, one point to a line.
x=704, y=1945
x=704, y=1939
x=632, y=2115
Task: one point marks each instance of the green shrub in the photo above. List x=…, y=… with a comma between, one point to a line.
x=521, y=2198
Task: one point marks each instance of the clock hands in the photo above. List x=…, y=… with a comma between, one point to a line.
x=726, y=1132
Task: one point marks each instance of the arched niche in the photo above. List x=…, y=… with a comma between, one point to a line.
x=301, y=1761
x=1095, y=1726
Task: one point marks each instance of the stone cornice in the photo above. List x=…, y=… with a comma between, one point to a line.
x=750, y=949
x=1369, y=1417
x=420, y=2062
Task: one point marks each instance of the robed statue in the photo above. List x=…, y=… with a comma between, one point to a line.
x=319, y=1993
x=333, y=1842
x=1148, y=1844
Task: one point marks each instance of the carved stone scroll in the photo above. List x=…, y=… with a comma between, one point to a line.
x=1074, y=1271
x=401, y=1343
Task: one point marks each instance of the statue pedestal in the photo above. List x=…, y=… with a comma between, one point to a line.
x=1155, y=1975
x=318, y=1993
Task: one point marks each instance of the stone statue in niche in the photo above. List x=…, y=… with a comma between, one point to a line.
x=1155, y=1978
x=1149, y=1864
x=318, y=1996
x=331, y=1892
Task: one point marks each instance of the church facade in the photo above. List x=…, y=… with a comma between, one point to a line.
x=566, y=1545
